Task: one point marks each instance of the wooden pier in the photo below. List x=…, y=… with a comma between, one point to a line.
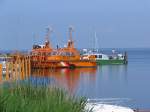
x=0, y=72
x=17, y=68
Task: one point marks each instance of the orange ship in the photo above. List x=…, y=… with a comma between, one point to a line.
x=44, y=56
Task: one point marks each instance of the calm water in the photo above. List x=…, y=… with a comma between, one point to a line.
x=124, y=84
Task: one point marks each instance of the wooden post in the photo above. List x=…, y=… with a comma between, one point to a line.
x=16, y=70
x=23, y=74
x=7, y=71
x=12, y=70
x=0, y=72
x=29, y=66
x=21, y=70
x=19, y=67
x=26, y=68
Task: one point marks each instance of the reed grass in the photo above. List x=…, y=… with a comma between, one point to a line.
x=27, y=98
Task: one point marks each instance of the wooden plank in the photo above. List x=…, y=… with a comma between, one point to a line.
x=7, y=71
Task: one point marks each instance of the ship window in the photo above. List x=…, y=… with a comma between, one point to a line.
x=36, y=46
x=49, y=54
x=100, y=56
x=69, y=54
x=110, y=57
x=54, y=53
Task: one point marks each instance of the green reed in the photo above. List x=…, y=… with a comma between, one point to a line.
x=27, y=98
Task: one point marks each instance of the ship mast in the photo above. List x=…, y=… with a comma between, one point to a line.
x=96, y=42
x=47, y=42
x=70, y=42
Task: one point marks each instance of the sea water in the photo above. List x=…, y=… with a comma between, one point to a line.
x=127, y=85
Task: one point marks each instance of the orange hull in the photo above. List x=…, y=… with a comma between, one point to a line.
x=83, y=63
x=62, y=64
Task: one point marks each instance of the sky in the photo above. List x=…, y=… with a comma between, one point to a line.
x=118, y=23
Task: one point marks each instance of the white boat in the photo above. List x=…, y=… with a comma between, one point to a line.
x=107, y=105
x=3, y=67
x=97, y=107
x=3, y=60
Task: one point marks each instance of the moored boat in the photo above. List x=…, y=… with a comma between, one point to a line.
x=3, y=60
x=44, y=56
x=98, y=105
x=105, y=59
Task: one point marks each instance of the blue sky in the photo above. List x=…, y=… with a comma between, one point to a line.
x=118, y=23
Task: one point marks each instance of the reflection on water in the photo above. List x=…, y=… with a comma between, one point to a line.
x=66, y=78
x=103, y=81
x=108, y=81
x=113, y=72
x=111, y=81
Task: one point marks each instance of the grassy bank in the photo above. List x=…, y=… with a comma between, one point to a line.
x=39, y=99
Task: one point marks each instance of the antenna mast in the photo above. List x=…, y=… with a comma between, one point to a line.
x=96, y=42
x=70, y=42
x=48, y=32
x=70, y=33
